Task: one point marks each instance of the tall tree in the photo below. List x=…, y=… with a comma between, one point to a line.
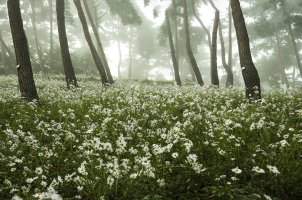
x=50, y=2
x=24, y=68
x=249, y=71
x=188, y=45
x=93, y=50
x=70, y=76
x=99, y=43
x=214, y=70
x=173, y=54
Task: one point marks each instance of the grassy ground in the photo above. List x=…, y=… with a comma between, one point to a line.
x=148, y=141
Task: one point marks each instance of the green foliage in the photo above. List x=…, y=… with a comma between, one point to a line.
x=148, y=140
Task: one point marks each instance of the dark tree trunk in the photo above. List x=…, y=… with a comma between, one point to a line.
x=37, y=43
x=99, y=43
x=67, y=63
x=230, y=77
x=292, y=37
x=173, y=55
x=51, y=34
x=188, y=46
x=214, y=70
x=249, y=71
x=93, y=50
x=25, y=74
x=230, y=56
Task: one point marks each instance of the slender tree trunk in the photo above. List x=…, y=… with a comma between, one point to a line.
x=249, y=71
x=99, y=43
x=230, y=56
x=176, y=32
x=214, y=70
x=119, y=50
x=93, y=50
x=51, y=34
x=37, y=43
x=292, y=37
x=130, y=54
x=25, y=74
x=173, y=55
x=188, y=46
x=5, y=47
x=230, y=77
x=281, y=66
x=67, y=63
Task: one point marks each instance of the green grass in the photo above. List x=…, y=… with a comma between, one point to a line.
x=146, y=140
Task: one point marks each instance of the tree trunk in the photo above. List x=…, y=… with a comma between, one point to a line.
x=249, y=71
x=292, y=37
x=5, y=47
x=214, y=70
x=93, y=50
x=51, y=34
x=188, y=46
x=25, y=74
x=230, y=77
x=176, y=32
x=67, y=63
x=230, y=56
x=99, y=43
x=173, y=55
x=37, y=43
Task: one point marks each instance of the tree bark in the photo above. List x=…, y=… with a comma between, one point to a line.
x=37, y=43
x=70, y=76
x=24, y=68
x=230, y=77
x=188, y=46
x=99, y=43
x=214, y=70
x=93, y=50
x=292, y=37
x=230, y=55
x=173, y=54
x=176, y=32
x=249, y=71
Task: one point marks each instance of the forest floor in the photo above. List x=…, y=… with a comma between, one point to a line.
x=138, y=140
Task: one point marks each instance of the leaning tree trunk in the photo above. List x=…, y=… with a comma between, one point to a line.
x=67, y=63
x=93, y=50
x=230, y=77
x=176, y=32
x=99, y=43
x=37, y=43
x=5, y=47
x=173, y=54
x=188, y=46
x=292, y=37
x=249, y=71
x=25, y=74
x=281, y=63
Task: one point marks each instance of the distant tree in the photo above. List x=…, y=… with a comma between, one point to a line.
x=99, y=43
x=93, y=50
x=249, y=71
x=24, y=68
x=70, y=76
x=188, y=45
x=172, y=49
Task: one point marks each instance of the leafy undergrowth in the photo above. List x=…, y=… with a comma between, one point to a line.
x=149, y=141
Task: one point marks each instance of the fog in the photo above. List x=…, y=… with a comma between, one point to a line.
x=135, y=39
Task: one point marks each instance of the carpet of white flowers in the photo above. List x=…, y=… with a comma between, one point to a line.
x=138, y=140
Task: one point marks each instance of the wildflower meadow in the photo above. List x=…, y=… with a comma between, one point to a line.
x=148, y=140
